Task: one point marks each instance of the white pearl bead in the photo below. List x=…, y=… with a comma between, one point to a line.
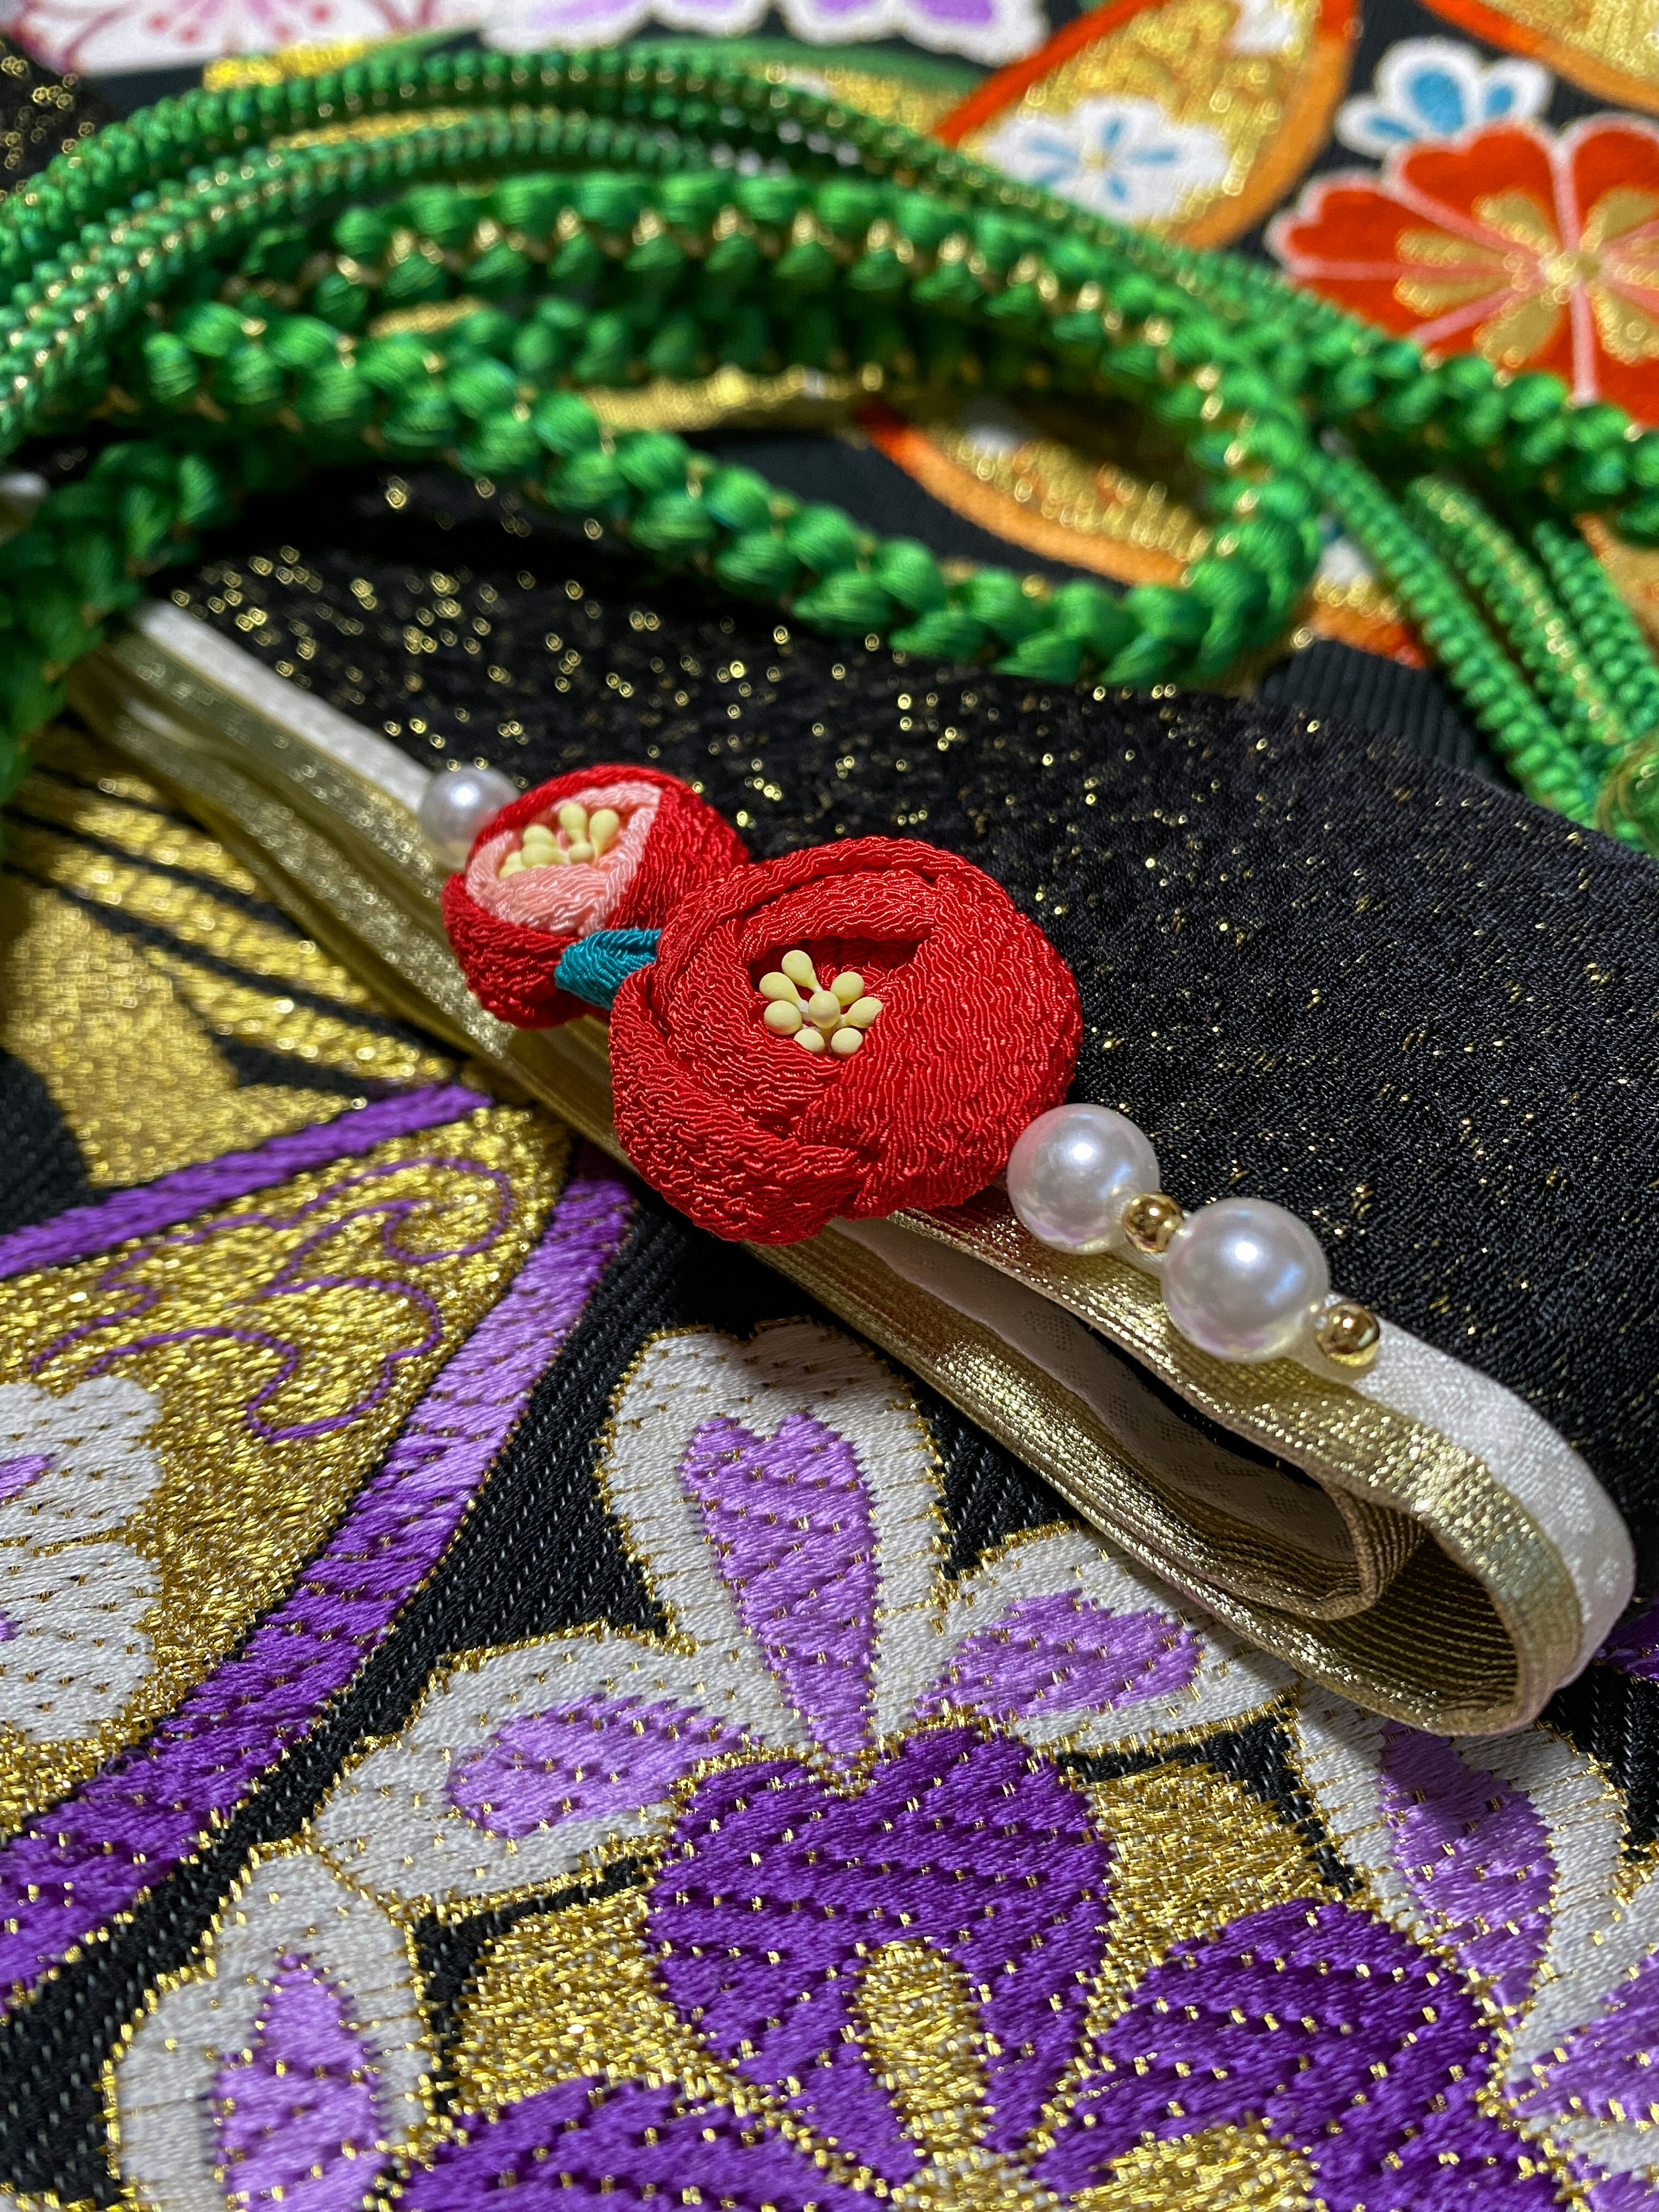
x=1073, y=1171
x=455, y=805
x=1243, y=1279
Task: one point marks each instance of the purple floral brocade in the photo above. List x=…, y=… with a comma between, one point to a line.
x=1054, y=1654
x=789, y=1523
x=655, y=2138
x=983, y=1847
x=294, y=2114
x=1336, y=2031
x=84, y=1230
x=94, y=1854
x=1475, y=1854
x=1634, y=1647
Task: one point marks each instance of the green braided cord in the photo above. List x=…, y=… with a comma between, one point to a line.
x=1612, y=637
x=1519, y=605
x=1522, y=732
x=254, y=396
x=196, y=275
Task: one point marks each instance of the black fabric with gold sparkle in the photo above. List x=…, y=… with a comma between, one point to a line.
x=1315, y=966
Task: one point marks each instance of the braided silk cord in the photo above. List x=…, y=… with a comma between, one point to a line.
x=215, y=280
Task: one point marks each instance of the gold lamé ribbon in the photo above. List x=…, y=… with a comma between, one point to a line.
x=1421, y=1587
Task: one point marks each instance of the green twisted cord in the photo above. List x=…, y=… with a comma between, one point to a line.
x=131, y=267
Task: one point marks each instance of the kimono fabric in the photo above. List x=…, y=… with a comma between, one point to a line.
x=502, y=1689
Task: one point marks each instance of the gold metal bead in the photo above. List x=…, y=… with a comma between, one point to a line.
x=1151, y=1220
x=1348, y=1333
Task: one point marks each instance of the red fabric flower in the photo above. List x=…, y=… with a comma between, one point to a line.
x=751, y=1136
x=510, y=930
x=1538, y=251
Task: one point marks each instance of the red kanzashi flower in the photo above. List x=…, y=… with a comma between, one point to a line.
x=632, y=844
x=752, y=1137
x=1538, y=251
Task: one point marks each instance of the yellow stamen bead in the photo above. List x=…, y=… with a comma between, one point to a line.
x=799, y=969
x=512, y=866
x=810, y=1040
x=846, y=1042
x=580, y=849
x=602, y=829
x=782, y=1018
x=778, y=987
x=824, y=1008
x=848, y=986
x=538, y=833
x=863, y=1012
x=573, y=818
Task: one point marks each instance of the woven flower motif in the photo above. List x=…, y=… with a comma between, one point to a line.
x=606, y=847
x=781, y=1500
x=295, y=2053
x=1538, y=249
x=1506, y=1853
x=922, y=1992
x=1125, y=158
x=752, y=1137
x=1432, y=88
x=107, y=34
x=73, y=1647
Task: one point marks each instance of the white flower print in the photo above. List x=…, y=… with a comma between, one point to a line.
x=1264, y=26
x=1427, y=89
x=72, y=1645
x=71, y=1649
x=1124, y=158
x=292, y=2062
x=780, y=1497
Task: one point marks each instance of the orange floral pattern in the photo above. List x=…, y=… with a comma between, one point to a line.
x=1537, y=249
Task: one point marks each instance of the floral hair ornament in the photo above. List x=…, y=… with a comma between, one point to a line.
x=849, y=1030
x=602, y=848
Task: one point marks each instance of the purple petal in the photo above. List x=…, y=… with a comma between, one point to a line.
x=1064, y=1653
x=621, y=2145
x=1335, y=2030
x=579, y=1762
x=1475, y=1854
x=1613, y=2192
x=16, y=1474
x=1605, y=2069
x=788, y=1523
x=777, y=1888
x=293, y=2116
x=1634, y=1647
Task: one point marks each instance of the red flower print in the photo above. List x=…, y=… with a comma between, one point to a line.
x=1537, y=250
x=606, y=848
x=966, y=1018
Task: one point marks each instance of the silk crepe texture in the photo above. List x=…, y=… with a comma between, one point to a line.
x=1314, y=966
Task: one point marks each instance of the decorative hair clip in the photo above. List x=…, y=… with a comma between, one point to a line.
x=848, y=1032
x=602, y=848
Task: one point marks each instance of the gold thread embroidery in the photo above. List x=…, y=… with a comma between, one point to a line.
x=87, y=1011
x=385, y=1287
